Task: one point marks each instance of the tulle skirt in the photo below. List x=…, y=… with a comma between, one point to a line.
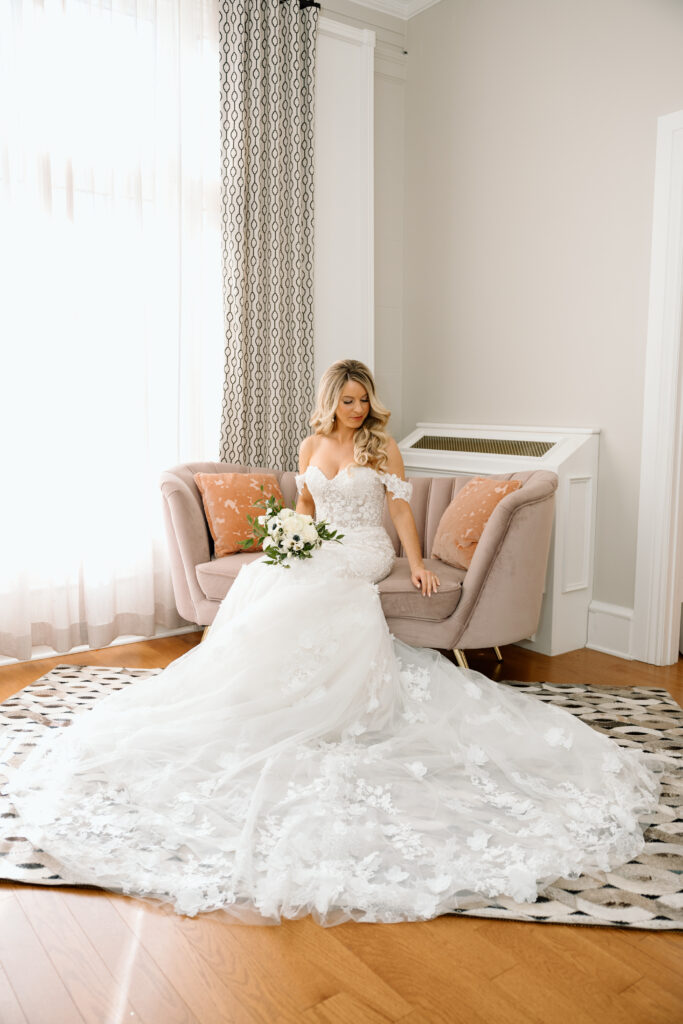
x=302, y=760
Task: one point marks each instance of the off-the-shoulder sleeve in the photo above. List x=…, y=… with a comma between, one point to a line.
x=399, y=488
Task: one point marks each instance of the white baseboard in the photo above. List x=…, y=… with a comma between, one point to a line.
x=609, y=629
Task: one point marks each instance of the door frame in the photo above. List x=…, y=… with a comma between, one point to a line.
x=655, y=627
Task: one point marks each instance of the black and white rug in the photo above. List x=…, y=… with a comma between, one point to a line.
x=646, y=893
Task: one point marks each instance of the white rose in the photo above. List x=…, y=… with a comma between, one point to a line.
x=310, y=534
x=286, y=513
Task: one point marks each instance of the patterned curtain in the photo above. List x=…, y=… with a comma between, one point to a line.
x=267, y=108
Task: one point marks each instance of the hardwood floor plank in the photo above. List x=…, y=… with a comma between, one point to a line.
x=208, y=997
x=150, y=990
x=326, y=960
x=645, y=1002
x=40, y=991
x=343, y=1008
x=10, y=1010
x=309, y=974
x=84, y=973
x=542, y=999
x=416, y=1016
x=226, y=988
x=553, y=963
x=262, y=994
x=411, y=961
x=577, y=947
x=664, y=947
x=470, y=945
x=664, y=967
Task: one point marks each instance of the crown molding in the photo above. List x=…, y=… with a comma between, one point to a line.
x=404, y=9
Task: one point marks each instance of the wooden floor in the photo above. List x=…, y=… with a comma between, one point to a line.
x=70, y=955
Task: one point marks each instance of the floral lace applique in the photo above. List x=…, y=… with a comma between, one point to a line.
x=558, y=738
x=416, y=682
x=406, y=839
x=396, y=486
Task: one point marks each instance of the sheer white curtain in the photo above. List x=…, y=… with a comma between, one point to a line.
x=110, y=319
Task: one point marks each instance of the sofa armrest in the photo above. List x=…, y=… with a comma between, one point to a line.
x=505, y=581
x=189, y=542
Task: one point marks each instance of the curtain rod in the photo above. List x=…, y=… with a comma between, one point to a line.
x=303, y=4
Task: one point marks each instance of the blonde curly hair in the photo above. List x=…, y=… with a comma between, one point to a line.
x=371, y=438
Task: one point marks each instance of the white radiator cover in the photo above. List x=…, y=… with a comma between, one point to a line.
x=572, y=453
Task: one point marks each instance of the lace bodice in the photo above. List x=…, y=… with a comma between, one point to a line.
x=354, y=497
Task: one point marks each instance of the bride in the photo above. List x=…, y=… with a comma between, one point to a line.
x=303, y=760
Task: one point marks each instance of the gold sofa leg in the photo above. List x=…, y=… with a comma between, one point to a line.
x=204, y=634
x=460, y=657
x=498, y=654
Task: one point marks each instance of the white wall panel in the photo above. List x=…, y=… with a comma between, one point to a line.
x=344, y=207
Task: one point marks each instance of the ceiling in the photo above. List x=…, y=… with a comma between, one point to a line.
x=399, y=8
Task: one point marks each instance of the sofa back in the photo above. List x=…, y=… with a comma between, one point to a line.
x=431, y=496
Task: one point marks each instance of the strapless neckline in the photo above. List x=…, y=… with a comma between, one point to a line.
x=353, y=487
x=342, y=470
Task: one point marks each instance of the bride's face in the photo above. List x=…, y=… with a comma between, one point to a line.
x=353, y=405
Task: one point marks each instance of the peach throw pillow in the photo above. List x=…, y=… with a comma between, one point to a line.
x=228, y=499
x=462, y=524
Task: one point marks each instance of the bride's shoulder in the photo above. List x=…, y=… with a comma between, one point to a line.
x=394, y=463
x=306, y=449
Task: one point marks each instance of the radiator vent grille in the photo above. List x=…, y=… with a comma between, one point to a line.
x=487, y=445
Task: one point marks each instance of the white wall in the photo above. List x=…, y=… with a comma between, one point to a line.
x=389, y=117
x=344, y=266
x=530, y=148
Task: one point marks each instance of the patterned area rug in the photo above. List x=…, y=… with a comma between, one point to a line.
x=646, y=893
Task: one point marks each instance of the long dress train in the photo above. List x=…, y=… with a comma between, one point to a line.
x=303, y=760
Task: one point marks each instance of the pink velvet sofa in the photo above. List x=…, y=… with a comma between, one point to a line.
x=496, y=601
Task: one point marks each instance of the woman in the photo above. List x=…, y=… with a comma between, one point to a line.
x=304, y=760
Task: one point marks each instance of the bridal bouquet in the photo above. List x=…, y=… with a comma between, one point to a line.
x=285, y=532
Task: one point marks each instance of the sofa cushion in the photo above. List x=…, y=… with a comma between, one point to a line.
x=401, y=598
x=398, y=595
x=215, y=577
x=462, y=524
x=228, y=499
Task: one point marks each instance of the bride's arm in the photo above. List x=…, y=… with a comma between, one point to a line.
x=305, y=503
x=404, y=521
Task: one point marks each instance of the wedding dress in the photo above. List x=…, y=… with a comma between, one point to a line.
x=303, y=760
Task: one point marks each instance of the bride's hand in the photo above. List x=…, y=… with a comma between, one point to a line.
x=426, y=579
